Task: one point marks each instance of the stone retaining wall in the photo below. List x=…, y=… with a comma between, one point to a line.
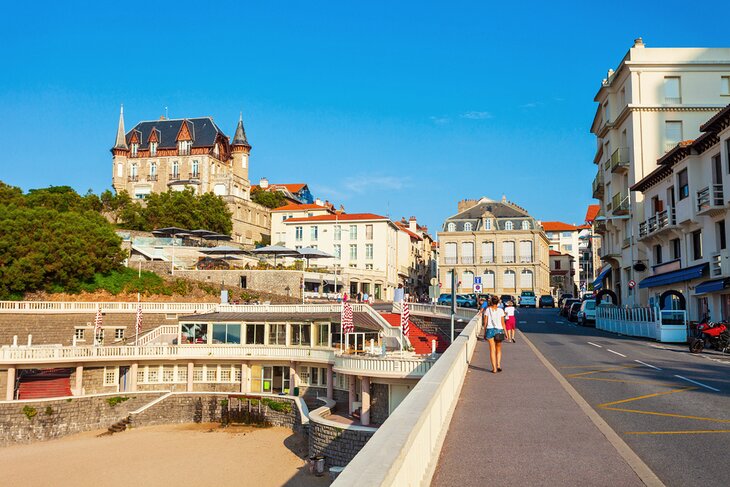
x=337, y=445
x=61, y=417
x=270, y=281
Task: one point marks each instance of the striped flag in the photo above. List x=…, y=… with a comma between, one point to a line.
x=138, y=323
x=97, y=325
x=348, y=325
x=405, y=316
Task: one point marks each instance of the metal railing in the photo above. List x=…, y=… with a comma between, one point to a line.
x=527, y=259
x=133, y=179
x=598, y=185
x=620, y=159
x=649, y=322
x=451, y=260
x=659, y=221
x=508, y=259
x=620, y=203
x=710, y=197
x=152, y=177
x=716, y=264
x=487, y=259
x=106, y=307
x=436, y=309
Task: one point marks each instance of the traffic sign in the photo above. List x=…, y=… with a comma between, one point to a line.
x=632, y=284
x=477, y=287
x=477, y=279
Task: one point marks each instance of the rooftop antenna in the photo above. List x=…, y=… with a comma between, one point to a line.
x=166, y=116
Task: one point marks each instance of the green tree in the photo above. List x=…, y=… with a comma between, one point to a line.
x=269, y=199
x=114, y=204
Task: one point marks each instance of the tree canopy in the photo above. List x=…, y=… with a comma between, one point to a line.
x=269, y=199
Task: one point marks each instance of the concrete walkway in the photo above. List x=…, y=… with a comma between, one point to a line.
x=520, y=427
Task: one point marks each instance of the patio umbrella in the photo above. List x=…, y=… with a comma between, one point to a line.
x=201, y=234
x=224, y=250
x=172, y=231
x=276, y=251
x=217, y=236
x=312, y=253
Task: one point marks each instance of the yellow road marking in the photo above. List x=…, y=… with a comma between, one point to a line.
x=597, y=371
x=668, y=415
x=687, y=432
x=658, y=384
x=646, y=396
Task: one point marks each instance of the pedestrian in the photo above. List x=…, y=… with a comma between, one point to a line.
x=365, y=298
x=344, y=298
x=510, y=321
x=495, y=333
x=483, y=305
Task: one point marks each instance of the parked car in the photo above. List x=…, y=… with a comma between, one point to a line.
x=573, y=311
x=587, y=313
x=547, y=301
x=466, y=301
x=565, y=308
x=528, y=299
x=444, y=299
x=562, y=298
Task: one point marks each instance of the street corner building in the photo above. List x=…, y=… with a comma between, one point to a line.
x=497, y=240
x=190, y=153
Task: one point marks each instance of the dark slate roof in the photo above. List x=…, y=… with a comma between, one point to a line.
x=500, y=213
x=203, y=130
x=239, y=138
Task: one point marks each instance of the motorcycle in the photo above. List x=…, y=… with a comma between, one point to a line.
x=710, y=334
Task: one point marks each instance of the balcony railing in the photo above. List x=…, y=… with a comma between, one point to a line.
x=716, y=264
x=620, y=204
x=508, y=259
x=193, y=175
x=660, y=220
x=152, y=177
x=620, y=159
x=451, y=260
x=489, y=259
x=133, y=179
x=174, y=177
x=710, y=198
x=598, y=185
x=527, y=259
x=468, y=259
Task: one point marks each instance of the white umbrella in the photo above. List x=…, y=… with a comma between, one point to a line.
x=276, y=250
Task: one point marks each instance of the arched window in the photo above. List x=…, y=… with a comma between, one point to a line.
x=175, y=169
x=526, y=279
x=509, y=226
x=509, y=280
x=153, y=171
x=133, y=171
x=467, y=227
x=488, y=280
x=525, y=225
x=451, y=227
x=467, y=279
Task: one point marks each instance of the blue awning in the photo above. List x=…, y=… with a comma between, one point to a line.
x=598, y=283
x=712, y=286
x=680, y=275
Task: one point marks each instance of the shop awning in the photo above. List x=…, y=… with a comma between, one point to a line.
x=680, y=275
x=712, y=286
x=598, y=282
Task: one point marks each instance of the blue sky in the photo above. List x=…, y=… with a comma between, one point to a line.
x=399, y=108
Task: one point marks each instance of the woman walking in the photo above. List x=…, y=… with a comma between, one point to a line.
x=510, y=321
x=495, y=333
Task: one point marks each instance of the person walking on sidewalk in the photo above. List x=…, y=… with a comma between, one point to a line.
x=510, y=321
x=495, y=333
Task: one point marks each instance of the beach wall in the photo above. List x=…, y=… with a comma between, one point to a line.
x=30, y=421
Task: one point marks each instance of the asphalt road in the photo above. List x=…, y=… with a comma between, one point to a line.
x=671, y=407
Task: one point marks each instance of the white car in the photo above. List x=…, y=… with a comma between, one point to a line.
x=587, y=312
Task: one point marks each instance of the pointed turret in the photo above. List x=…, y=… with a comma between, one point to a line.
x=239, y=138
x=121, y=142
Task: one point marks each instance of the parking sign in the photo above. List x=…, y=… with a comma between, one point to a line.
x=477, y=288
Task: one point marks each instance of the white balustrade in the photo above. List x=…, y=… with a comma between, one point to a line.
x=647, y=322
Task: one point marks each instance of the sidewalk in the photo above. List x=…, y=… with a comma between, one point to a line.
x=520, y=427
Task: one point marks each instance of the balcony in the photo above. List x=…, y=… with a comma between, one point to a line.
x=451, y=260
x=487, y=259
x=609, y=253
x=174, y=177
x=508, y=259
x=133, y=178
x=626, y=243
x=620, y=160
x=716, y=264
x=620, y=204
x=152, y=178
x=193, y=176
x=526, y=259
x=599, y=227
x=710, y=200
x=661, y=221
x=598, y=186
x=469, y=259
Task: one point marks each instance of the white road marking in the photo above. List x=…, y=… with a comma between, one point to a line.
x=658, y=346
x=698, y=383
x=595, y=344
x=522, y=322
x=541, y=322
x=648, y=365
x=621, y=354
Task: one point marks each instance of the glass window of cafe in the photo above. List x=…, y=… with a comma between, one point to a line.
x=277, y=334
x=227, y=333
x=301, y=334
x=255, y=333
x=323, y=330
x=194, y=333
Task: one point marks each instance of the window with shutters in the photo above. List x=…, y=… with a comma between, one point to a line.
x=526, y=279
x=508, y=281
x=487, y=252
x=526, y=251
x=488, y=280
x=467, y=252
x=508, y=252
x=450, y=253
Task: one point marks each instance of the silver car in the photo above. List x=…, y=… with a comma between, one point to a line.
x=587, y=313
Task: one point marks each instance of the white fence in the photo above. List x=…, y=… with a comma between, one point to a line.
x=107, y=307
x=435, y=309
x=405, y=449
x=647, y=322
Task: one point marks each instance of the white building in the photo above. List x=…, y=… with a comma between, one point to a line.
x=656, y=98
x=683, y=224
x=570, y=240
x=293, y=210
x=365, y=247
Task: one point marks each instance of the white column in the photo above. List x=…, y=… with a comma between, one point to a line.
x=191, y=367
x=351, y=391
x=245, y=384
x=293, y=378
x=10, y=386
x=365, y=399
x=79, y=386
x=133, y=376
x=330, y=384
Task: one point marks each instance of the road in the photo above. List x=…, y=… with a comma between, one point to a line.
x=671, y=407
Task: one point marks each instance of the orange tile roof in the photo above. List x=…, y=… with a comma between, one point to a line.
x=300, y=207
x=558, y=227
x=341, y=217
x=294, y=188
x=555, y=253
x=592, y=212
x=406, y=230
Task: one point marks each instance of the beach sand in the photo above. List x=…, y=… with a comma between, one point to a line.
x=175, y=455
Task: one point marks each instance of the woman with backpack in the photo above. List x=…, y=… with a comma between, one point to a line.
x=495, y=333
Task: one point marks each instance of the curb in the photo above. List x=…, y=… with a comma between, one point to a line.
x=642, y=470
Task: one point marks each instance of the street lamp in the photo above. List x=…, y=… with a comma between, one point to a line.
x=631, y=239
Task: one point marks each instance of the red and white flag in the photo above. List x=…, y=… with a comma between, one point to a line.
x=97, y=325
x=348, y=325
x=405, y=316
x=138, y=323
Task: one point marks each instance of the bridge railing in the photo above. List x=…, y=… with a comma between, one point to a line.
x=106, y=307
x=436, y=309
x=406, y=448
x=647, y=322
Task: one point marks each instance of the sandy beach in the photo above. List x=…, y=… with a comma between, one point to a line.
x=180, y=455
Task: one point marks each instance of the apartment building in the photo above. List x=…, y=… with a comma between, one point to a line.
x=415, y=256
x=295, y=210
x=590, y=264
x=684, y=224
x=364, y=245
x=191, y=153
x=655, y=99
x=571, y=240
x=562, y=273
x=497, y=241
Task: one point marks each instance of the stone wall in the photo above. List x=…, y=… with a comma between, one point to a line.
x=270, y=281
x=338, y=445
x=54, y=418
x=48, y=328
x=379, y=410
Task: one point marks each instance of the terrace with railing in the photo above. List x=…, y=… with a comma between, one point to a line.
x=660, y=221
x=620, y=160
x=710, y=199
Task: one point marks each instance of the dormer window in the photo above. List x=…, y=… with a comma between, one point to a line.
x=525, y=225
x=153, y=148
x=451, y=227
x=488, y=224
x=467, y=227
x=183, y=147
x=135, y=148
x=509, y=226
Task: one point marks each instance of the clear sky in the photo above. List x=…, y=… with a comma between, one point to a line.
x=398, y=108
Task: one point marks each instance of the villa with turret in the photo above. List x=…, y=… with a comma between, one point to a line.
x=190, y=153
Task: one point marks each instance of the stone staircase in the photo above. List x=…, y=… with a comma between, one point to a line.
x=118, y=427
